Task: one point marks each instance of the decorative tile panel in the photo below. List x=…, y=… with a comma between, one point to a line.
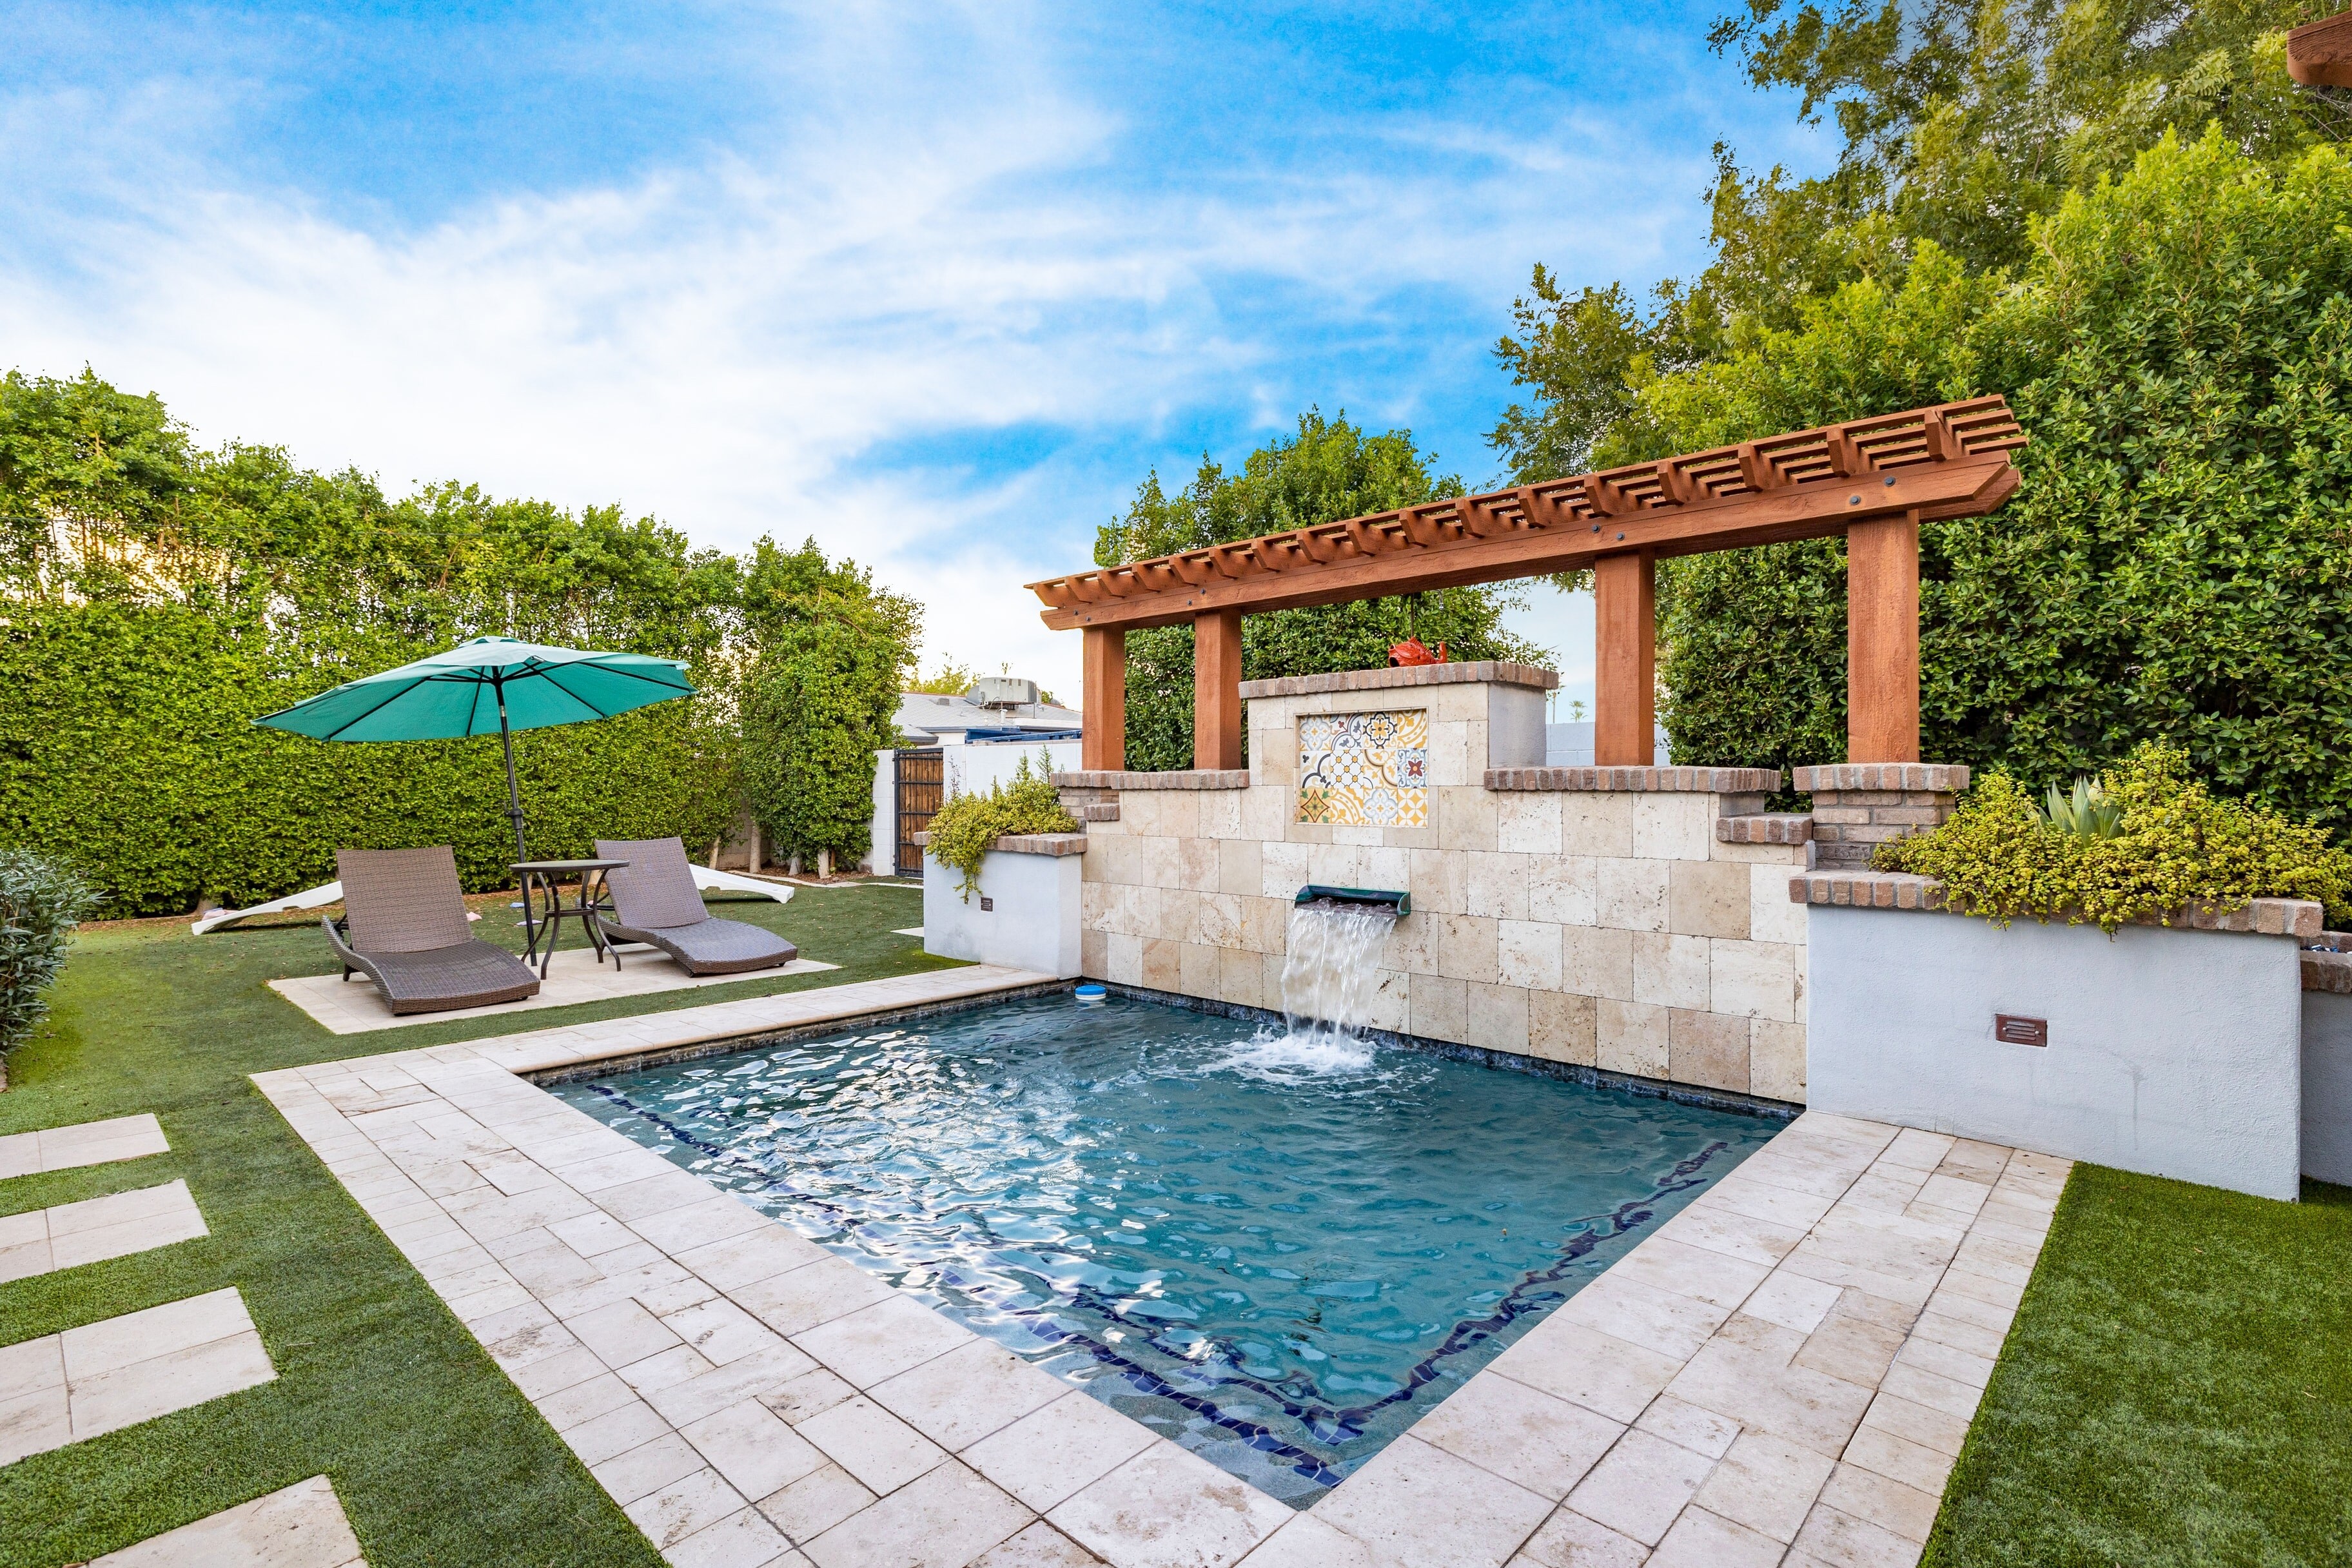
x=1364, y=770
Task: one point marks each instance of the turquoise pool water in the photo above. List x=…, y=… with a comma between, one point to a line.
x=1278, y=1251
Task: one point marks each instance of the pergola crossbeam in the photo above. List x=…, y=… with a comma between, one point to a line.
x=1878, y=477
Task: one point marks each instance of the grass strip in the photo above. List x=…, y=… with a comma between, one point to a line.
x=438, y=1458
x=2177, y=1389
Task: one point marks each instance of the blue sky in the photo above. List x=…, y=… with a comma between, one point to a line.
x=936, y=284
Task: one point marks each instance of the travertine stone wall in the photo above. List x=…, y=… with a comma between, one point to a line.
x=1587, y=916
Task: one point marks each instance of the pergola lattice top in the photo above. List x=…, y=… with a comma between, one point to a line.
x=1949, y=460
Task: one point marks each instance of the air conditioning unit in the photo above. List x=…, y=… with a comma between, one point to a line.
x=1003, y=692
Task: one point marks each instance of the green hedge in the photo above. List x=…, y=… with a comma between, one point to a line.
x=131, y=756
x=2177, y=562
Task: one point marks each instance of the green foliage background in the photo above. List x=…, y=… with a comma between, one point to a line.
x=2127, y=219
x=155, y=598
x=1328, y=469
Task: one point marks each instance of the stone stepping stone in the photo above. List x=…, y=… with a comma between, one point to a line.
x=116, y=1226
x=90, y=1143
x=301, y=1526
x=63, y=1388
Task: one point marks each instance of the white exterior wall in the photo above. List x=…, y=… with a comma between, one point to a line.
x=1034, y=924
x=2328, y=1087
x=2176, y=1053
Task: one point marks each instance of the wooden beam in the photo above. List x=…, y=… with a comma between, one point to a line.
x=1816, y=510
x=1103, y=745
x=1625, y=688
x=1217, y=689
x=1881, y=588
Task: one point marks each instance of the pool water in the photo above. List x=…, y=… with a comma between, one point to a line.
x=1279, y=1250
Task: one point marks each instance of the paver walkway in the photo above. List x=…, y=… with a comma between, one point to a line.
x=62, y=1388
x=90, y=1143
x=574, y=975
x=1780, y=1374
x=41, y=1240
x=301, y=1526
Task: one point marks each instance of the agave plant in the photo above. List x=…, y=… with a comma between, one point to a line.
x=2088, y=812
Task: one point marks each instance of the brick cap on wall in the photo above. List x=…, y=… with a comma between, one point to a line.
x=1030, y=843
x=2329, y=971
x=1766, y=827
x=1496, y=671
x=1949, y=778
x=1175, y=778
x=2298, y=918
x=1704, y=781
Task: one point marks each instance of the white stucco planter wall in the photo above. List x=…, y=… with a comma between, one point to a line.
x=2174, y=1052
x=2327, y=1086
x=1033, y=920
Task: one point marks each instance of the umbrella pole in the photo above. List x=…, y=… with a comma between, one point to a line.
x=514, y=813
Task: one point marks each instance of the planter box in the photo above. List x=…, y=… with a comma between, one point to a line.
x=1026, y=915
x=2328, y=1063
x=2174, y=1051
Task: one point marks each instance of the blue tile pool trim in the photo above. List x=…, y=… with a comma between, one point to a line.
x=1530, y=1293
x=1688, y=1094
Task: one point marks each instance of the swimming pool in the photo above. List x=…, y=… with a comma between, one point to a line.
x=1279, y=1250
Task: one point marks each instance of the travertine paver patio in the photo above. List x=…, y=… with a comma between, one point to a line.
x=301, y=1526
x=574, y=975
x=66, y=1235
x=88, y=1143
x=62, y=1388
x=1780, y=1374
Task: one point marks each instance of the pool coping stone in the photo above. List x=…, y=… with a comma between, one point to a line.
x=1782, y=1373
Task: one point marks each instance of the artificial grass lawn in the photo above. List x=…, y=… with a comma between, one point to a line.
x=2177, y=1388
x=436, y=1456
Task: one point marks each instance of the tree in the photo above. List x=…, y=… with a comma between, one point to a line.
x=1328, y=469
x=1961, y=122
x=819, y=696
x=2177, y=564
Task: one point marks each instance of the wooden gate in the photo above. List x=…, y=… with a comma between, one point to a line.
x=919, y=778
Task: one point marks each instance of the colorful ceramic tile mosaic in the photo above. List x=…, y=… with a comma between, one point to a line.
x=1364, y=770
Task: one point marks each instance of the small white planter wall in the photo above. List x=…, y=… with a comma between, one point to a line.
x=1033, y=920
x=2327, y=1086
x=2173, y=1052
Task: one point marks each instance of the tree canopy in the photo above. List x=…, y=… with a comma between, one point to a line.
x=1325, y=470
x=2126, y=219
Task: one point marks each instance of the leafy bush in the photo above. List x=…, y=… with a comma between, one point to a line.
x=2176, y=846
x=969, y=825
x=40, y=904
x=2177, y=565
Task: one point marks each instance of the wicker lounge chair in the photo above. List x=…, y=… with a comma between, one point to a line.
x=404, y=927
x=655, y=900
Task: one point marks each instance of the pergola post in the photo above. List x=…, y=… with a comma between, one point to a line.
x=1625, y=677
x=1217, y=689
x=1102, y=746
x=1882, y=586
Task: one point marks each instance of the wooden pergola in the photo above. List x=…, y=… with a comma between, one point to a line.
x=1873, y=480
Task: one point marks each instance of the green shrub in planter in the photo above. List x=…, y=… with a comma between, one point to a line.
x=970, y=825
x=2147, y=841
x=40, y=904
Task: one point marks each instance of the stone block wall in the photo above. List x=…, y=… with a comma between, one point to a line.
x=1602, y=917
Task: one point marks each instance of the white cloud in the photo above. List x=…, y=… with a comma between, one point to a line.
x=729, y=341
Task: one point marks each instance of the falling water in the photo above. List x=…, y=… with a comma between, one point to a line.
x=1329, y=977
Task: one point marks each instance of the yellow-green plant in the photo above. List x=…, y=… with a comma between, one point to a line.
x=969, y=825
x=2174, y=846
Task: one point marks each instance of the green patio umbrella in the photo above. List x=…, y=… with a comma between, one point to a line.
x=482, y=685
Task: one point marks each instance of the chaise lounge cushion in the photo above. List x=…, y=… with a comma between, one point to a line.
x=655, y=901
x=404, y=928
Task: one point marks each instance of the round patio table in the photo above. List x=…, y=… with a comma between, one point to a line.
x=544, y=880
